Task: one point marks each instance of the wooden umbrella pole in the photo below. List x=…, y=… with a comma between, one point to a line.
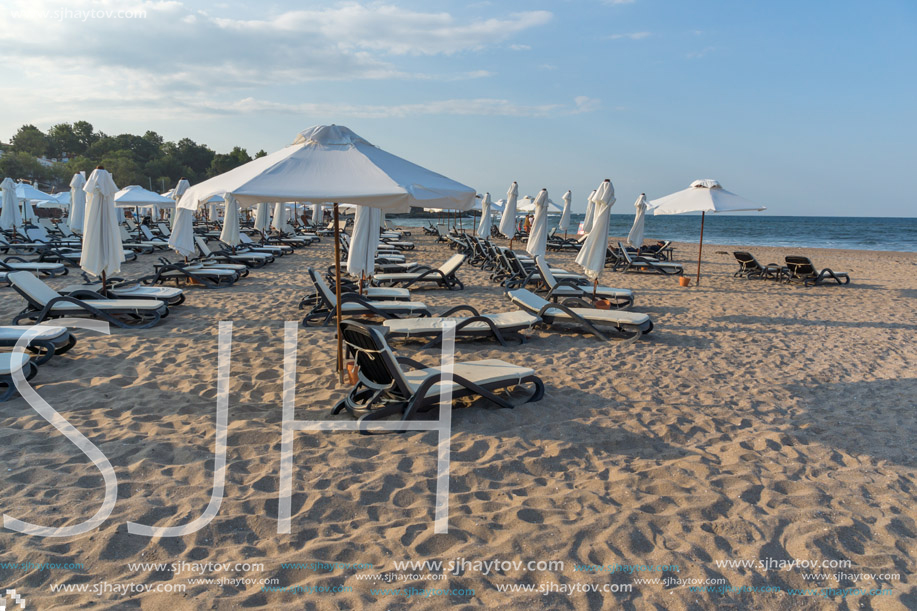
x=700, y=248
x=337, y=293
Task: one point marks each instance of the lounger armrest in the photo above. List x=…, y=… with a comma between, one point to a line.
x=86, y=294
x=460, y=308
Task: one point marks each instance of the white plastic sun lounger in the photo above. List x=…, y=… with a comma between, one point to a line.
x=500, y=326
x=46, y=340
x=444, y=275
x=353, y=304
x=630, y=325
x=560, y=288
x=10, y=362
x=44, y=303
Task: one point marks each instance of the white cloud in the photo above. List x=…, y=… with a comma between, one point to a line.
x=586, y=104
x=699, y=54
x=630, y=36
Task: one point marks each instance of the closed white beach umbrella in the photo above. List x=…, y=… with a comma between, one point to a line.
x=102, y=251
x=77, y=202
x=590, y=214
x=361, y=259
x=487, y=219
x=177, y=192
x=538, y=235
x=592, y=255
x=508, y=222
x=230, y=233
x=702, y=196
x=181, y=240
x=280, y=217
x=317, y=215
x=564, y=222
x=262, y=216
x=9, y=215
x=635, y=237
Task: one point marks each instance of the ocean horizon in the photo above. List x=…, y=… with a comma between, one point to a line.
x=850, y=233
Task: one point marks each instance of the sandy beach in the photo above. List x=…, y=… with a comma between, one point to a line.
x=757, y=422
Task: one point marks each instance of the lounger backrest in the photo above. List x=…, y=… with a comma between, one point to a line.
x=125, y=236
x=322, y=287
x=746, y=260
x=202, y=246
x=32, y=288
x=244, y=239
x=452, y=264
x=545, y=270
x=163, y=229
x=130, y=224
x=37, y=234
x=147, y=233
x=801, y=266
x=527, y=300
x=624, y=252
x=47, y=224
x=65, y=230
x=374, y=357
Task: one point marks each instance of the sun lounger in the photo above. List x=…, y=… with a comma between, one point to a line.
x=386, y=386
x=277, y=250
x=750, y=268
x=443, y=276
x=635, y=263
x=18, y=264
x=502, y=326
x=352, y=304
x=249, y=259
x=44, y=303
x=119, y=289
x=372, y=293
x=563, y=288
x=630, y=325
x=45, y=340
x=10, y=362
x=801, y=268
x=193, y=273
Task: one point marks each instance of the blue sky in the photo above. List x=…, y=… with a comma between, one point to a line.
x=807, y=108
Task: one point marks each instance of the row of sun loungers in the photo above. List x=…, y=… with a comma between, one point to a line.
x=797, y=268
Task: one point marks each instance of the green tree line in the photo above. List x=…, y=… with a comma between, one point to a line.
x=133, y=160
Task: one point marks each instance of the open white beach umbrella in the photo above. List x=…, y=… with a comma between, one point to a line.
x=508, y=221
x=361, y=258
x=26, y=194
x=330, y=163
x=230, y=233
x=135, y=196
x=538, y=235
x=592, y=255
x=635, y=237
x=564, y=222
x=487, y=219
x=9, y=215
x=77, y=202
x=102, y=250
x=702, y=196
x=590, y=214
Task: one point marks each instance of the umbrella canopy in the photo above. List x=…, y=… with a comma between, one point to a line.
x=592, y=255
x=102, y=251
x=230, y=233
x=538, y=235
x=508, y=221
x=635, y=237
x=527, y=205
x=63, y=198
x=702, y=196
x=590, y=214
x=26, y=191
x=564, y=222
x=361, y=258
x=321, y=165
x=77, y=202
x=487, y=219
x=136, y=196
x=262, y=216
x=9, y=215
